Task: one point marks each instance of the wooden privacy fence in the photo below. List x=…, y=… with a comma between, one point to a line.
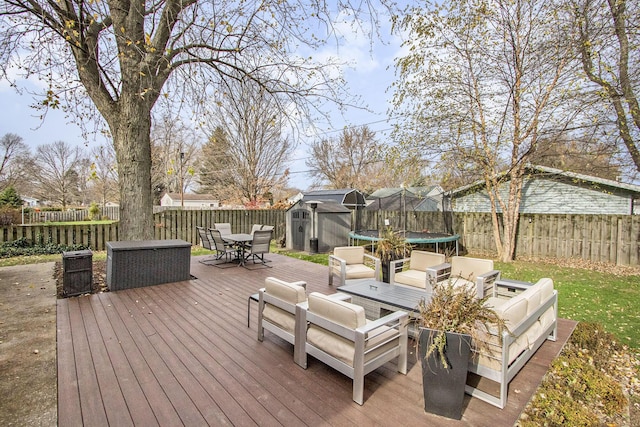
x=34, y=216
x=601, y=238
x=176, y=224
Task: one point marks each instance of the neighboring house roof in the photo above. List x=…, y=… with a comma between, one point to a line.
x=550, y=190
x=551, y=172
x=346, y=196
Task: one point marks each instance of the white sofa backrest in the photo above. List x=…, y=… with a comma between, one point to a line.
x=343, y=313
x=421, y=260
x=285, y=291
x=351, y=254
x=469, y=268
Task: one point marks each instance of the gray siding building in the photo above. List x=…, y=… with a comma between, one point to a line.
x=553, y=191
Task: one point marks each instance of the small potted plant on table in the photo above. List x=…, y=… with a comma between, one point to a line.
x=453, y=325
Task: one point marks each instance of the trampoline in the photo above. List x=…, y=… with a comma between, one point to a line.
x=412, y=237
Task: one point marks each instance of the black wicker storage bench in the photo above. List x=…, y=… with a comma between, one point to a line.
x=137, y=263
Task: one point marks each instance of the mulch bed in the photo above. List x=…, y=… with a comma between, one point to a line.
x=99, y=282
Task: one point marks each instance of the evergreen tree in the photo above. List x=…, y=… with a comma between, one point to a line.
x=10, y=197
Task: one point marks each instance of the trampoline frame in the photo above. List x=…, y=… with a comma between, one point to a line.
x=356, y=236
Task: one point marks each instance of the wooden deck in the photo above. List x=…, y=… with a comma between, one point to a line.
x=181, y=354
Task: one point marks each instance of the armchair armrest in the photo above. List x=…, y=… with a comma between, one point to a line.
x=398, y=317
x=437, y=274
x=377, y=264
x=487, y=282
x=336, y=260
x=337, y=263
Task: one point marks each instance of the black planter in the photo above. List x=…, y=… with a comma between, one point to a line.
x=444, y=388
x=384, y=265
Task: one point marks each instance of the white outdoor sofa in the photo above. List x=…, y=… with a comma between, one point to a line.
x=531, y=318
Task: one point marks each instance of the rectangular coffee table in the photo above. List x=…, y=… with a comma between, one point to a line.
x=379, y=298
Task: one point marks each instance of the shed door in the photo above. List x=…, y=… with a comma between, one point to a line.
x=300, y=223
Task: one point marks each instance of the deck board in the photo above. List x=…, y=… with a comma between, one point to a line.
x=181, y=354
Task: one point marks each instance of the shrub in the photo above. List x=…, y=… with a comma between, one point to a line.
x=94, y=211
x=9, y=215
x=22, y=247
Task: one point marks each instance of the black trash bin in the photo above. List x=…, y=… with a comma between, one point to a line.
x=77, y=268
x=313, y=243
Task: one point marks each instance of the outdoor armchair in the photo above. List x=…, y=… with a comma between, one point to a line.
x=412, y=271
x=337, y=333
x=277, y=307
x=466, y=271
x=351, y=262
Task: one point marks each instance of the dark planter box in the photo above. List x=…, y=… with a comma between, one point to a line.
x=138, y=263
x=444, y=388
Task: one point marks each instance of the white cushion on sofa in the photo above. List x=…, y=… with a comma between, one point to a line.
x=341, y=312
x=513, y=311
x=289, y=292
x=421, y=260
x=412, y=278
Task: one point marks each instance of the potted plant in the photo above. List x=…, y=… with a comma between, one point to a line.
x=453, y=325
x=391, y=246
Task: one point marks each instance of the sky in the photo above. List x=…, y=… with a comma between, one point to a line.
x=368, y=76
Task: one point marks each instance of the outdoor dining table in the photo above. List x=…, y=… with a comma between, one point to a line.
x=240, y=241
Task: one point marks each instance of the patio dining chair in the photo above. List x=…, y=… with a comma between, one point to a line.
x=259, y=246
x=223, y=250
x=207, y=242
x=223, y=227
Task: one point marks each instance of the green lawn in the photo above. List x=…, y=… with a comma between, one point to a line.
x=583, y=294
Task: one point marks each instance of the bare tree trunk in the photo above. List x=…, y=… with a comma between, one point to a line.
x=131, y=137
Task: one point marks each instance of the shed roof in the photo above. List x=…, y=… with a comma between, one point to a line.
x=346, y=196
x=324, y=207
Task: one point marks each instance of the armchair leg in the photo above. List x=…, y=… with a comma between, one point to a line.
x=358, y=389
x=299, y=347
